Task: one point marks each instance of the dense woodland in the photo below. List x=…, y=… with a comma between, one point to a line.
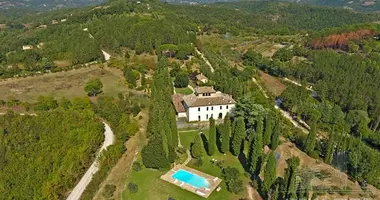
x=41, y=156
x=147, y=27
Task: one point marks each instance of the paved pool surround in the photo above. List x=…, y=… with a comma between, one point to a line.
x=213, y=182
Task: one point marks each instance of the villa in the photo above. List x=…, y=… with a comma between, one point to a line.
x=203, y=104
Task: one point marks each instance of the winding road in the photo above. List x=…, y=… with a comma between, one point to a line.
x=109, y=139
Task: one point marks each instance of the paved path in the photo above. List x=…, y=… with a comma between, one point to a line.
x=86, y=179
x=204, y=59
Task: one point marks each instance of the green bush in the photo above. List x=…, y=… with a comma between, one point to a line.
x=133, y=187
x=136, y=166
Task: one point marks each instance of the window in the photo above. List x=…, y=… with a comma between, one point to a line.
x=199, y=109
x=227, y=106
x=207, y=116
x=199, y=118
x=207, y=108
x=212, y=107
x=221, y=108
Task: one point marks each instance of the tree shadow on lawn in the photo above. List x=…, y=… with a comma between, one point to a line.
x=205, y=141
x=243, y=161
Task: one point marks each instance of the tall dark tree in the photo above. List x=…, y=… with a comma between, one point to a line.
x=197, y=148
x=330, y=147
x=238, y=135
x=276, y=135
x=226, y=134
x=268, y=129
x=212, y=137
x=290, y=177
x=311, y=139
x=270, y=172
x=153, y=154
x=256, y=152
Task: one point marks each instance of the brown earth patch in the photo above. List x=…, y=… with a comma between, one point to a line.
x=272, y=84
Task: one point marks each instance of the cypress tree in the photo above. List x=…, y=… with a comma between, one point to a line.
x=260, y=126
x=212, y=137
x=311, y=138
x=153, y=154
x=330, y=147
x=290, y=177
x=268, y=129
x=226, y=134
x=197, y=149
x=270, y=172
x=276, y=135
x=256, y=153
x=173, y=127
x=238, y=135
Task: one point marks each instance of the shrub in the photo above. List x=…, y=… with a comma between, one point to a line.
x=181, y=80
x=133, y=187
x=314, y=154
x=136, y=166
x=109, y=190
x=181, y=150
x=199, y=162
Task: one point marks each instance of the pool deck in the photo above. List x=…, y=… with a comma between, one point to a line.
x=203, y=192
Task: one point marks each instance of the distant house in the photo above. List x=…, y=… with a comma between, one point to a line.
x=203, y=104
x=27, y=47
x=63, y=20
x=202, y=78
x=54, y=21
x=42, y=26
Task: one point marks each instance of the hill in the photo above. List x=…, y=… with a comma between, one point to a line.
x=47, y=4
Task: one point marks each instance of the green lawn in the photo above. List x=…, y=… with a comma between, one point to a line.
x=185, y=90
x=153, y=188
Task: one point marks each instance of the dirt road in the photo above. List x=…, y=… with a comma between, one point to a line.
x=205, y=59
x=86, y=179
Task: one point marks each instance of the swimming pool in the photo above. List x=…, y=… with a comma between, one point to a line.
x=191, y=179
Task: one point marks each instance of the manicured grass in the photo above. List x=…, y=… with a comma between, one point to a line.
x=153, y=188
x=185, y=90
x=187, y=137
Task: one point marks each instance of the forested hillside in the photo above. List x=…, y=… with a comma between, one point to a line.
x=47, y=4
x=41, y=157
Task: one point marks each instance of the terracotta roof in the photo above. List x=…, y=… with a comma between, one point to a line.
x=219, y=99
x=201, y=77
x=177, y=102
x=202, y=90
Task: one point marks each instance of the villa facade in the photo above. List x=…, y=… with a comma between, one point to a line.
x=203, y=104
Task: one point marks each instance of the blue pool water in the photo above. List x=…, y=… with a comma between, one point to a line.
x=190, y=178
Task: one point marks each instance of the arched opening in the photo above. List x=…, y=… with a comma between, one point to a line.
x=220, y=116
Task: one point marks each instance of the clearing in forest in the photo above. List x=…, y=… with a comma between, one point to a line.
x=272, y=84
x=68, y=84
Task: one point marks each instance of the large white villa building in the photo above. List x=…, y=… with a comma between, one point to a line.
x=203, y=104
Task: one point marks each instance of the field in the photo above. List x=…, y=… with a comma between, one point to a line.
x=185, y=90
x=272, y=84
x=68, y=84
x=153, y=188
